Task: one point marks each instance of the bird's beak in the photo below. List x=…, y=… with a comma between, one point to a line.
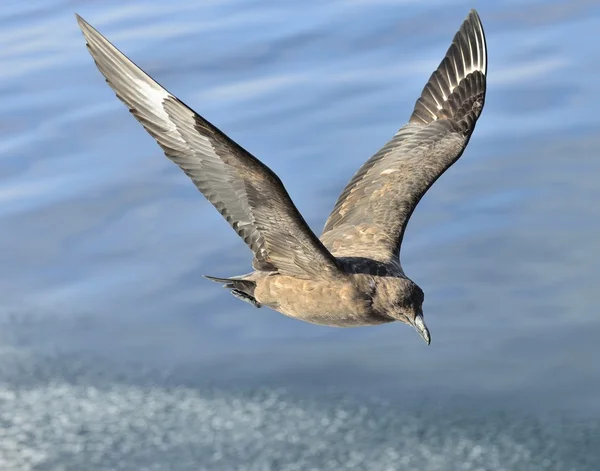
x=421, y=328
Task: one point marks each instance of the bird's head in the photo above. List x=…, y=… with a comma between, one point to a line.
x=402, y=300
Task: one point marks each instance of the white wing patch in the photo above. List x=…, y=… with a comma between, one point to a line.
x=153, y=97
x=466, y=56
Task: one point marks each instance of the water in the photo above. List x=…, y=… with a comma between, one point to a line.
x=116, y=354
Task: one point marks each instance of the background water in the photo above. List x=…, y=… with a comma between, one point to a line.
x=116, y=354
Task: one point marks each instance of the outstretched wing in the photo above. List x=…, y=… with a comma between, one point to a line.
x=245, y=191
x=370, y=216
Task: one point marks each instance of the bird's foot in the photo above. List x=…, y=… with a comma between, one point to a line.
x=245, y=297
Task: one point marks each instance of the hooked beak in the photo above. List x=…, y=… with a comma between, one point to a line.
x=421, y=328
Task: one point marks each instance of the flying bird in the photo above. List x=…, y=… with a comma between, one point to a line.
x=351, y=275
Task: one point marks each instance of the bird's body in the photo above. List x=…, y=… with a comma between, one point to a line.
x=350, y=276
x=341, y=302
x=349, y=300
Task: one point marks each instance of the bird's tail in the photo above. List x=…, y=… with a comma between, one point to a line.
x=235, y=282
x=240, y=288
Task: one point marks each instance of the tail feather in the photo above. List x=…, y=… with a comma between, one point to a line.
x=216, y=279
x=238, y=283
x=240, y=288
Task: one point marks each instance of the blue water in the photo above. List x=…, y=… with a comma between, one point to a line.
x=116, y=354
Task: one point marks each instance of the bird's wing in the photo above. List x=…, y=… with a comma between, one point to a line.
x=245, y=191
x=370, y=216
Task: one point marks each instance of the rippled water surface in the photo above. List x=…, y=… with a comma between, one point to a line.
x=116, y=354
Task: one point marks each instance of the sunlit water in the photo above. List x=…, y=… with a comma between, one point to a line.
x=117, y=354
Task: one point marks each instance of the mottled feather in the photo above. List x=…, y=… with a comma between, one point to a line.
x=371, y=214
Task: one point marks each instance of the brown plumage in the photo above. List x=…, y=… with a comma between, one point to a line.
x=352, y=275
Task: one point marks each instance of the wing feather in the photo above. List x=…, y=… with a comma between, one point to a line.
x=245, y=191
x=371, y=214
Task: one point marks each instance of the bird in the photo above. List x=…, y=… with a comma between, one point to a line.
x=351, y=275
